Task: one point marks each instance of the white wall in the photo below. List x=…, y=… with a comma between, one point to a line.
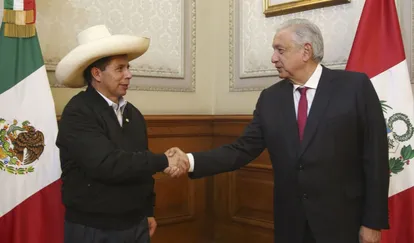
x=253, y=34
x=165, y=84
x=224, y=39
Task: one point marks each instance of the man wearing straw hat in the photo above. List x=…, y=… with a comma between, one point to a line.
x=107, y=169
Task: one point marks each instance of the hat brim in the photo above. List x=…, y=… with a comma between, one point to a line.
x=69, y=70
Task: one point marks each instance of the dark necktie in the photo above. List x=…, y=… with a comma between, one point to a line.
x=302, y=111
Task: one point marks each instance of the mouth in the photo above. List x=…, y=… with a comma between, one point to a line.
x=125, y=86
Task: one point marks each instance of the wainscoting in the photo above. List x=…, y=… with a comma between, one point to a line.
x=230, y=207
x=182, y=209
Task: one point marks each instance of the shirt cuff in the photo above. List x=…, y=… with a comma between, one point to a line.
x=191, y=159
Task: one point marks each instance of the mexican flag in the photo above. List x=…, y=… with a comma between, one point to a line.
x=30, y=203
x=379, y=52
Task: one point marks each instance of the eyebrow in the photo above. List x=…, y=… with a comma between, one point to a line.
x=123, y=65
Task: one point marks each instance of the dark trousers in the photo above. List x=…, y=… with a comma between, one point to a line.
x=308, y=237
x=77, y=233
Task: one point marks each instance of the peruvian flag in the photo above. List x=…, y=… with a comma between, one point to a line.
x=31, y=210
x=378, y=51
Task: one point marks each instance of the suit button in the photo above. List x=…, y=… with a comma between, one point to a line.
x=301, y=167
x=305, y=196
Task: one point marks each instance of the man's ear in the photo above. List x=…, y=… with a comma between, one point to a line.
x=96, y=73
x=308, y=52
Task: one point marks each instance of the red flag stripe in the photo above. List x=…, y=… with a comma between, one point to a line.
x=35, y=220
x=378, y=44
x=30, y=5
x=401, y=218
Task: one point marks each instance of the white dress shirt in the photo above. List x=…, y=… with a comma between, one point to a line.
x=311, y=84
x=118, y=108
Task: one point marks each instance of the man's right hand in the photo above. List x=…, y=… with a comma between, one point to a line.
x=178, y=162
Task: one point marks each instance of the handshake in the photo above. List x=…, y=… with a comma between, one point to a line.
x=178, y=162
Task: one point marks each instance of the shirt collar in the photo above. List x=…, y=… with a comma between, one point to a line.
x=313, y=81
x=122, y=102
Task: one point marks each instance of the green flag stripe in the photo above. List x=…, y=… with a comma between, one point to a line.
x=18, y=59
x=8, y=4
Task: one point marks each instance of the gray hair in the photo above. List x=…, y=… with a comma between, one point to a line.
x=306, y=32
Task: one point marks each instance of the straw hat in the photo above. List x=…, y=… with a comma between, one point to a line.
x=95, y=43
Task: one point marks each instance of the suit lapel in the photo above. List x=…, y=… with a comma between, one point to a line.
x=109, y=114
x=320, y=103
x=126, y=118
x=287, y=105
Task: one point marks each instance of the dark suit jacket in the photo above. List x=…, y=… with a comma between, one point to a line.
x=337, y=178
x=106, y=169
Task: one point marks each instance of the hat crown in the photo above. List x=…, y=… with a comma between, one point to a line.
x=92, y=34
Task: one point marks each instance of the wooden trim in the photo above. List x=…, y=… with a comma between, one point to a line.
x=179, y=118
x=216, y=118
x=232, y=118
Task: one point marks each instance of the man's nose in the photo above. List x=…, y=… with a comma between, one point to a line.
x=128, y=74
x=275, y=57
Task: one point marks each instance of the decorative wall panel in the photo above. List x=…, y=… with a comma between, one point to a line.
x=169, y=63
x=251, y=36
x=251, y=197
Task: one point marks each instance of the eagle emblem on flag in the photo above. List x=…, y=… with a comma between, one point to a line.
x=399, y=130
x=20, y=146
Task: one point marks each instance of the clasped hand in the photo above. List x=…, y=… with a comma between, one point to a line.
x=178, y=162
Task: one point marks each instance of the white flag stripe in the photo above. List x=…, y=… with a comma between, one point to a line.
x=1, y=12
x=32, y=100
x=18, y=5
x=394, y=87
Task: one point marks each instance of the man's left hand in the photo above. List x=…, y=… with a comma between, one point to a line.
x=178, y=162
x=367, y=235
x=152, y=225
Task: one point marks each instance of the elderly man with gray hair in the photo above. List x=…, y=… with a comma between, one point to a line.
x=326, y=136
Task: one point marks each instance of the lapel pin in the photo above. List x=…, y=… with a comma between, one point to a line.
x=127, y=120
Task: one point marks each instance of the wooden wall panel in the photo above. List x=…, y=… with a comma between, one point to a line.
x=181, y=204
x=175, y=200
x=249, y=199
x=243, y=199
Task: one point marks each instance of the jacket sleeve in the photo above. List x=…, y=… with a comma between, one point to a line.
x=375, y=157
x=233, y=156
x=149, y=210
x=85, y=140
